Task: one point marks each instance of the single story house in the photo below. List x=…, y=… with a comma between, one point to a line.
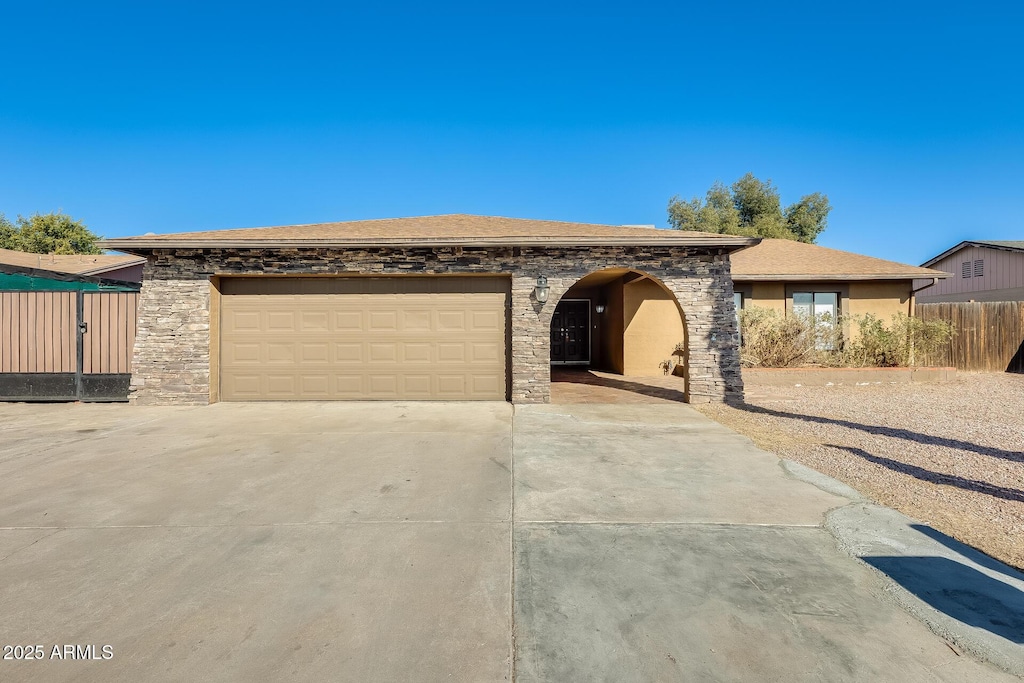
x=453, y=307
x=983, y=270
x=805, y=278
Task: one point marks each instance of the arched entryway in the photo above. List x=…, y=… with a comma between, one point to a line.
x=619, y=321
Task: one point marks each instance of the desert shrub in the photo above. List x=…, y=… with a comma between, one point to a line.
x=774, y=340
x=895, y=345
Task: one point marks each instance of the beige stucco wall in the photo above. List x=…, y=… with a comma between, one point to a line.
x=653, y=328
x=767, y=295
x=882, y=299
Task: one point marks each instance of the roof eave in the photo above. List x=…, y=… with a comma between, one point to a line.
x=135, y=245
x=777, y=277
x=962, y=245
x=118, y=266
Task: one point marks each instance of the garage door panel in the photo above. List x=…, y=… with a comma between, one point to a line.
x=486, y=352
x=364, y=338
x=315, y=386
x=351, y=321
x=349, y=387
x=383, y=321
x=317, y=352
x=315, y=321
x=244, y=386
x=485, y=385
x=451, y=321
x=416, y=320
x=451, y=386
x=242, y=352
x=451, y=352
x=281, y=321
x=278, y=385
x=417, y=385
x=487, y=321
x=417, y=352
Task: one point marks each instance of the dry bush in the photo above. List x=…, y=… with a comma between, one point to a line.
x=774, y=340
x=771, y=339
x=897, y=344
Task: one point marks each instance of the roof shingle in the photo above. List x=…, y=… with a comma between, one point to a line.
x=776, y=259
x=73, y=264
x=425, y=231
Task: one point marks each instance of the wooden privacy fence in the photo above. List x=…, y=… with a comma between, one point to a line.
x=66, y=345
x=989, y=335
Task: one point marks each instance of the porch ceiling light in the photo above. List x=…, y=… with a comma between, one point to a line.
x=541, y=290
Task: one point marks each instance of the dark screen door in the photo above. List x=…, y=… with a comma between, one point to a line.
x=570, y=333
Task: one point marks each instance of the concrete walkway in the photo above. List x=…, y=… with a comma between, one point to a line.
x=429, y=542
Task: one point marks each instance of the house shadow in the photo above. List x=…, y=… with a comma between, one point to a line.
x=923, y=474
x=1016, y=364
x=897, y=432
x=961, y=592
x=973, y=554
x=583, y=376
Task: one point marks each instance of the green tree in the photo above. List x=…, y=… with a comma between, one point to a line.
x=808, y=217
x=751, y=207
x=8, y=233
x=49, y=233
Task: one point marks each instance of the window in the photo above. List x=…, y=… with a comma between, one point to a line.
x=823, y=308
x=965, y=269
x=979, y=268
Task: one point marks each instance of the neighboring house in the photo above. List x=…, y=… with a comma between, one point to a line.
x=982, y=271
x=119, y=267
x=452, y=307
x=791, y=276
x=66, y=328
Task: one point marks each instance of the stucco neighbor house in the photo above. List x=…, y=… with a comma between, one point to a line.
x=797, y=277
x=983, y=270
x=454, y=307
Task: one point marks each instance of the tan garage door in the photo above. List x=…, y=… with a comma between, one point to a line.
x=428, y=338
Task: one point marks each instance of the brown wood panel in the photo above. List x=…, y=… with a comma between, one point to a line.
x=989, y=335
x=46, y=342
x=68, y=352
x=110, y=338
x=5, y=331
x=37, y=331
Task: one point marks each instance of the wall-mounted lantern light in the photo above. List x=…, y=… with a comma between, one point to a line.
x=599, y=308
x=541, y=290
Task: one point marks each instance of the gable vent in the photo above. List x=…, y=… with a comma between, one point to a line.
x=979, y=268
x=965, y=269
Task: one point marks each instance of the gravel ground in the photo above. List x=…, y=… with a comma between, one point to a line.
x=950, y=454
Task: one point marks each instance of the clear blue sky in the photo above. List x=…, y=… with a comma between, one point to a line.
x=166, y=117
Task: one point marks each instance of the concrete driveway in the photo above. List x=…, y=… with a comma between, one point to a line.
x=429, y=542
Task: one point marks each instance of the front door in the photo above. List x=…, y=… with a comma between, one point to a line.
x=570, y=333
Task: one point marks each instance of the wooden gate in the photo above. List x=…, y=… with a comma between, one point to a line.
x=66, y=345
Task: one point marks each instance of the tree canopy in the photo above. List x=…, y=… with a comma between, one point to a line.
x=751, y=207
x=48, y=233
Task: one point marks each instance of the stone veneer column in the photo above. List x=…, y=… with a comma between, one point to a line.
x=713, y=361
x=531, y=338
x=171, y=363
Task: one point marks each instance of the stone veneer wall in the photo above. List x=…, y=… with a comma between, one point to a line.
x=172, y=347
